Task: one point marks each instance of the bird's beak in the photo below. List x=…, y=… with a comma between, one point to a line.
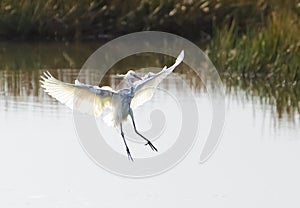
x=136, y=76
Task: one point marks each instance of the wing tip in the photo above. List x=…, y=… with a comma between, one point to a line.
x=76, y=82
x=46, y=75
x=180, y=57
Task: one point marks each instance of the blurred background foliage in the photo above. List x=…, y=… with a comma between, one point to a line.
x=90, y=19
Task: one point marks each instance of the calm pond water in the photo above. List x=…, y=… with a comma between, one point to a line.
x=43, y=164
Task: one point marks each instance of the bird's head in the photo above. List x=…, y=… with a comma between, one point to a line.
x=130, y=76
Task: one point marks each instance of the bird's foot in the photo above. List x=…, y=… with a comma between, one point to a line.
x=129, y=155
x=151, y=145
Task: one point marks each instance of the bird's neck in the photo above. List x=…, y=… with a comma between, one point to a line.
x=131, y=91
x=129, y=82
x=131, y=87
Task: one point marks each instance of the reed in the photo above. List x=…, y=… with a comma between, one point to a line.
x=262, y=60
x=92, y=19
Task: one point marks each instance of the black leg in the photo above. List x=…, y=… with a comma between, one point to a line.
x=148, y=141
x=127, y=149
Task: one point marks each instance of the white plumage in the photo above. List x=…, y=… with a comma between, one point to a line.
x=119, y=104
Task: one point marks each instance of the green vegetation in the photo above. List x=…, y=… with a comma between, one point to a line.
x=262, y=59
x=90, y=19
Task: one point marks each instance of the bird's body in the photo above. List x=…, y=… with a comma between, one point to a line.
x=94, y=100
x=121, y=105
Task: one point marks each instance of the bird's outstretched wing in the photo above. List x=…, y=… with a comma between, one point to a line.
x=145, y=88
x=85, y=98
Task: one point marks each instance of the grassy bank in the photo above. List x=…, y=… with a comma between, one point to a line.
x=92, y=19
x=260, y=51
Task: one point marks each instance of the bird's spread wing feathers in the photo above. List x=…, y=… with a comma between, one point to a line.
x=93, y=99
x=85, y=98
x=145, y=88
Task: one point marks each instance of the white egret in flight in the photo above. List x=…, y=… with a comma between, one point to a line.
x=93, y=99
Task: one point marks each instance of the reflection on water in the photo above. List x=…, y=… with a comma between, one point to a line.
x=21, y=91
x=21, y=65
x=44, y=55
x=285, y=99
